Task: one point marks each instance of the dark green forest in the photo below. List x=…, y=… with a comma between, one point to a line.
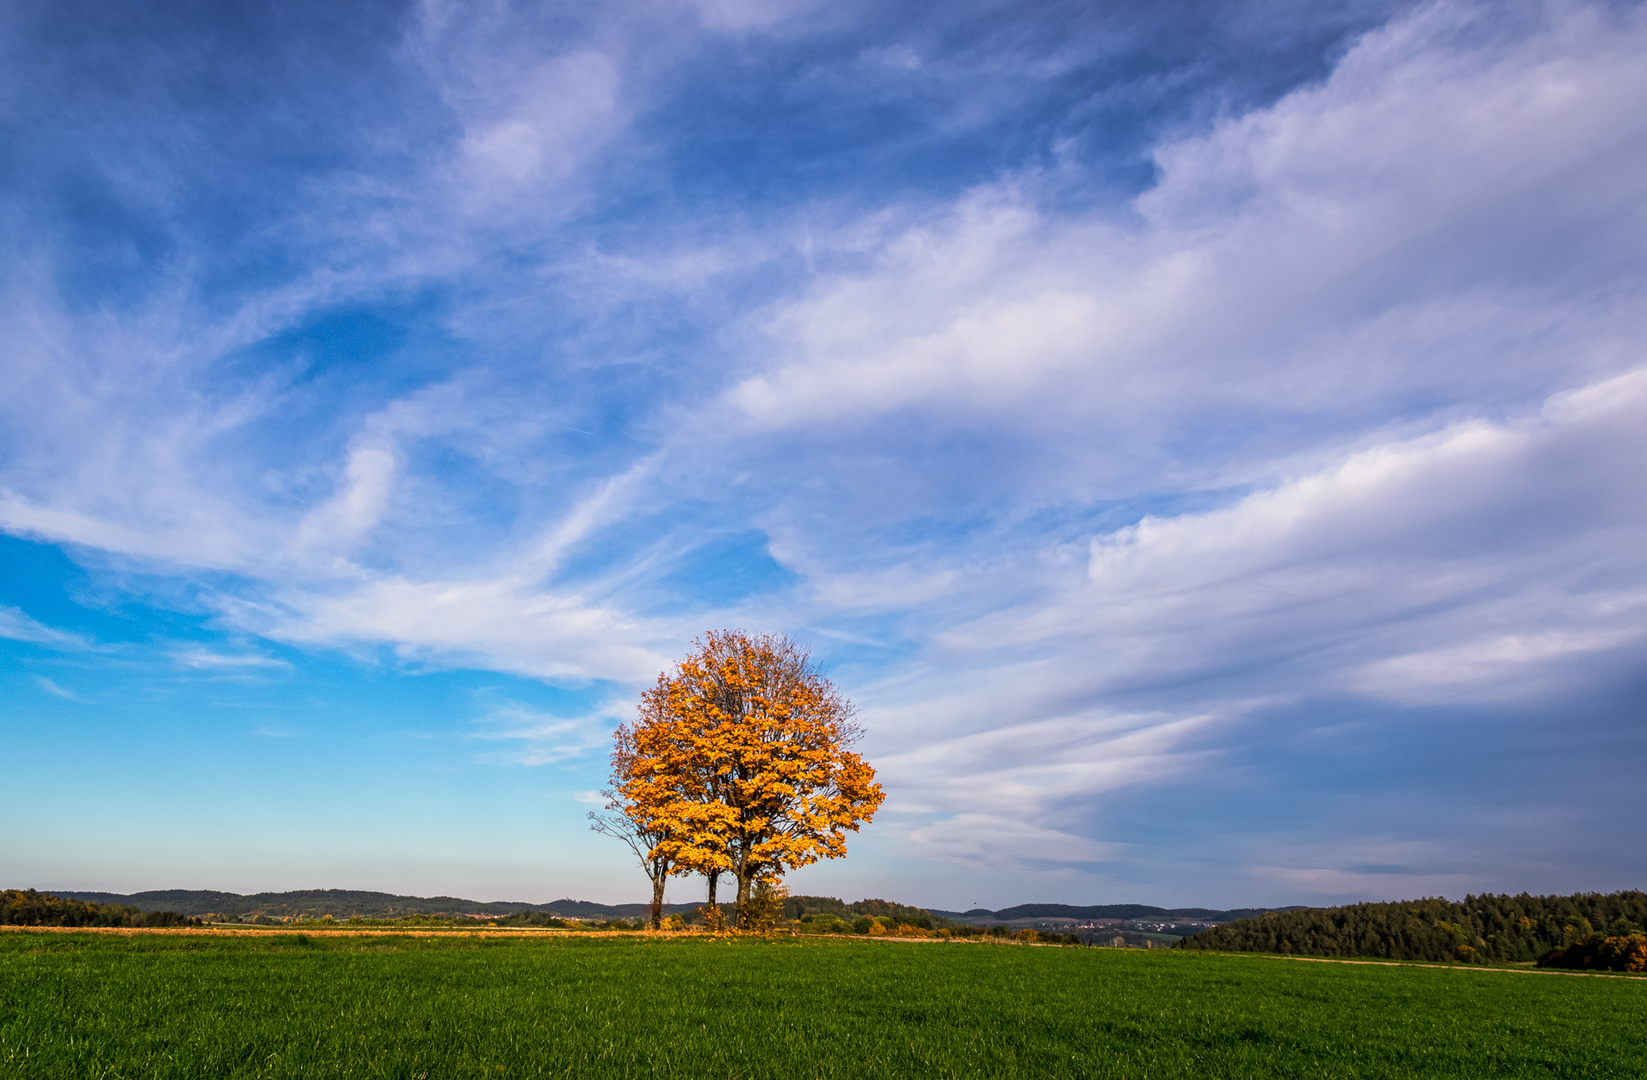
x=799, y=907
x=25, y=907
x=1567, y=931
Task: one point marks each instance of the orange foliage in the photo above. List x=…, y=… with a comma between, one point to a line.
x=741, y=762
x=624, y=822
x=1623, y=952
x=1626, y=953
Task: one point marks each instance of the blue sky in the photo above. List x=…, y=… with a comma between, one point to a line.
x=1208, y=441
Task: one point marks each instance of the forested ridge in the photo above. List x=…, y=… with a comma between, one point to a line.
x=25, y=907
x=1556, y=930
x=342, y=904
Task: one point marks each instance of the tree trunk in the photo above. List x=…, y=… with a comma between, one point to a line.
x=658, y=882
x=714, y=877
x=743, y=899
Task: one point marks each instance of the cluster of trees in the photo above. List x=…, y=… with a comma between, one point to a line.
x=830, y=915
x=533, y=918
x=739, y=764
x=923, y=927
x=1477, y=930
x=799, y=908
x=1620, y=952
x=1027, y=934
x=25, y=907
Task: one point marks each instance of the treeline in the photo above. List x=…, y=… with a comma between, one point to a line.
x=1480, y=929
x=349, y=903
x=1125, y=912
x=886, y=925
x=796, y=908
x=25, y=907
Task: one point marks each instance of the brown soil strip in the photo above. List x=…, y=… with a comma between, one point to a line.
x=1450, y=967
x=339, y=931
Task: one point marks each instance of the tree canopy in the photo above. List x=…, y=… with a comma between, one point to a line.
x=624, y=821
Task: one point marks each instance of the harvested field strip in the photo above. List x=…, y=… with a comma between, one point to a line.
x=1453, y=967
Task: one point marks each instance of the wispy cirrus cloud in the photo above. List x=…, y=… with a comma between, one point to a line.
x=543, y=738
x=51, y=687
x=17, y=625
x=209, y=660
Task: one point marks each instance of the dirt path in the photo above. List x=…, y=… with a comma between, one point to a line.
x=1453, y=967
x=339, y=931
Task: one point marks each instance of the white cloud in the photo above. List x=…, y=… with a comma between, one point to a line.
x=545, y=738
x=1017, y=770
x=1494, y=668
x=503, y=624
x=992, y=844
x=17, y=625
x=551, y=118
x=208, y=660
x=1481, y=527
x=52, y=688
x=1017, y=794
x=1445, y=193
x=359, y=505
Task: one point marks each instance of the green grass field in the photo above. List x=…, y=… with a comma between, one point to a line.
x=90, y=1006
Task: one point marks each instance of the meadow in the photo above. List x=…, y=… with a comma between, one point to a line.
x=91, y=1006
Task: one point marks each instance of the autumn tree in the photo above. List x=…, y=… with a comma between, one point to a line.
x=741, y=762
x=666, y=784
x=624, y=821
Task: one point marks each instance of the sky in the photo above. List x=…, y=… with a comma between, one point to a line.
x=1206, y=440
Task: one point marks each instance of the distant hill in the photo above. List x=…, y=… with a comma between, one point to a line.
x=1106, y=911
x=343, y=903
